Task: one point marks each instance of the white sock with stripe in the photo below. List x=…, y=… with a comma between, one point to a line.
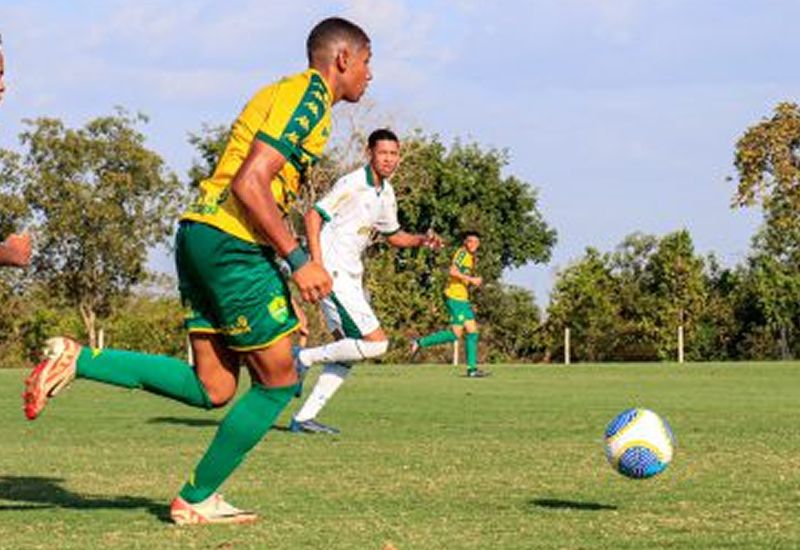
x=329, y=381
x=347, y=350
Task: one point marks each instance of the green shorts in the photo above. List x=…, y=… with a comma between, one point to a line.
x=460, y=311
x=231, y=287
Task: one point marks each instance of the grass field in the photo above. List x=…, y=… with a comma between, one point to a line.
x=427, y=460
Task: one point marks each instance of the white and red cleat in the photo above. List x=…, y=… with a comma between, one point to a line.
x=214, y=509
x=51, y=375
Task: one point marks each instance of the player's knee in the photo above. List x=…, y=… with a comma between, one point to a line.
x=372, y=349
x=219, y=395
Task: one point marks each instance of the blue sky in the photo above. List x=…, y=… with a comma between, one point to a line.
x=622, y=113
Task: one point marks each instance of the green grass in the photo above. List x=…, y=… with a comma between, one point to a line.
x=427, y=460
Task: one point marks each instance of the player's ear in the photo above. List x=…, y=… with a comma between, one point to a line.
x=342, y=58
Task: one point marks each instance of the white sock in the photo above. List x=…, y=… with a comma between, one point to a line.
x=329, y=380
x=347, y=350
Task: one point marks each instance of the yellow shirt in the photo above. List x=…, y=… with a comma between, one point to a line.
x=292, y=115
x=465, y=263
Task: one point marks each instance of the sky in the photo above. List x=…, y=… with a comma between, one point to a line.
x=622, y=114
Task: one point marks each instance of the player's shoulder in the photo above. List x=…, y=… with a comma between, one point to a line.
x=306, y=87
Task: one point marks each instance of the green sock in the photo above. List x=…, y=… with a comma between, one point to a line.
x=471, y=345
x=157, y=374
x=244, y=426
x=441, y=337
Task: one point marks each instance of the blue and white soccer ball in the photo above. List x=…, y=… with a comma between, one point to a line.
x=639, y=443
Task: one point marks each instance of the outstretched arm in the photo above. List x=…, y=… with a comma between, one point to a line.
x=401, y=239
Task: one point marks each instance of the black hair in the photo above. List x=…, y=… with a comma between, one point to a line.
x=470, y=233
x=381, y=134
x=331, y=30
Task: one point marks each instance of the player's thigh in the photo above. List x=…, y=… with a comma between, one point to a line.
x=458, y=330
x=348, y=311
x=217, y=367
x=471, y=326
x=272, y=366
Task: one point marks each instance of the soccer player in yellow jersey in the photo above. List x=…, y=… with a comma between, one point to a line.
x=16, y=249
x=238, y=304
x=462, y=317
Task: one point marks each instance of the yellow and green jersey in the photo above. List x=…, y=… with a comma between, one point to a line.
x=465, y=263
x=292, y=115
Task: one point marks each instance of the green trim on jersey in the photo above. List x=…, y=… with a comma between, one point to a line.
x=371, y=180
x=321, y=211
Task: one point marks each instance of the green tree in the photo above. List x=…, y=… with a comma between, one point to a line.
x=100, y=199
x=584, y=299
x=674, y=277
x=767, y=161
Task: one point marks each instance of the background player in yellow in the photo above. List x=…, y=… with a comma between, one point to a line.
x=227, y=246
x=462, y=317
x=16, y=249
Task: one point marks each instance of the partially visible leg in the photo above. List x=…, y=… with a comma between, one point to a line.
x=212, y=384
x=330, y=380
x=274, y=381
x=437, y=338
x=358, y=336
x=349, y=314
x=471, y=345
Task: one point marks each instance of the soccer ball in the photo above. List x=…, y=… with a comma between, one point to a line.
x=639, y=443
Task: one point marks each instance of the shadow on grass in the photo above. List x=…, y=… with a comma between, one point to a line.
x=178, y=421
x=47, y=492
x=198, y=422
x=558, y=504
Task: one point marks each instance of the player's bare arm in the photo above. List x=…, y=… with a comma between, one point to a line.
x=262, y=165
x=401, y=239
x=313, y=223
x=455, y=273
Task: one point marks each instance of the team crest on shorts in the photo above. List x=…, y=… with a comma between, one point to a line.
x=278, y=309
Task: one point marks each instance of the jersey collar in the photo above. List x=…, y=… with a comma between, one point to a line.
x=371, y=181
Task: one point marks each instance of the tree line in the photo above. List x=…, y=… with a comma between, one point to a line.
x=97, y=199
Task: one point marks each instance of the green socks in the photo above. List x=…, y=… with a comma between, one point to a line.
x=441, y=337
x=157, y=374
x=241, y=429
x=471, y=345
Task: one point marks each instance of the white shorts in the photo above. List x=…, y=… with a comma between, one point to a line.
x=347, y=309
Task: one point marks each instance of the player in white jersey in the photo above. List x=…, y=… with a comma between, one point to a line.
x=339, y=228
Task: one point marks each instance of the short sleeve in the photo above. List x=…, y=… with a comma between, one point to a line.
x=339, y=195
x=297, y=108
x=460, y=260
x=387, y=223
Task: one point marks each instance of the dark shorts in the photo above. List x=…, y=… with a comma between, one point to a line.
x=460, y=311
x=231, y=287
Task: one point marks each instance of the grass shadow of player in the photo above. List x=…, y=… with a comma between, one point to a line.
x=183, y=421
x=199, y=422
x=40, y=493
x=559, y=504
